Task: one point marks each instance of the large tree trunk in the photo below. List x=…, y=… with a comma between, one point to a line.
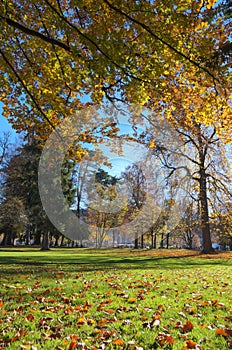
x=204, y=214
x=204, y=210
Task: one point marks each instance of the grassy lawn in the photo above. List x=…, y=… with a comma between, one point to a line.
x=115, y=299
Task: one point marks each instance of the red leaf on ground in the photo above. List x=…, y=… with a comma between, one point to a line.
x=187, y=327
x=72, y=345
x=30, y=317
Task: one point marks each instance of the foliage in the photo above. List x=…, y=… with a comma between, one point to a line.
x=13, y=219
x=21, y=186
x=54, y=53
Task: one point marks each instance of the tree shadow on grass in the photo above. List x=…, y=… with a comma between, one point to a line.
x=98, y=263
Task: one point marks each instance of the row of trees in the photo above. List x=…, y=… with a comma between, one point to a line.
x=22, y=215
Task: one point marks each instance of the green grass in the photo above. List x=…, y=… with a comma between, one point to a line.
x=88, y=299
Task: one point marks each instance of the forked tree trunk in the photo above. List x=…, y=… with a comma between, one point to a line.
x=154, y=240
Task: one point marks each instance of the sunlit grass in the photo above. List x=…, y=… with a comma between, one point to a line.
x=114, y=299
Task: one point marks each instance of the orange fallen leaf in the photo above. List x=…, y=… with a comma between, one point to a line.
x=118, y=342
x=222, y=332
x=169, y=339
x=72, y=345
x=190, y=344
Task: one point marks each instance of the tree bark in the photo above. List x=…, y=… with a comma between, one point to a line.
x=62, y=241
x=45, y=242
x=56, y=241
x=204, y=214
x=7, y=240
x=136, y=246
x=162, y=241
x=155, y=241
x=168, y=235
x=37, y=235
x=204, y=211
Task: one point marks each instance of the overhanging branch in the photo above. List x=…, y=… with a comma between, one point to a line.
x=33, y=32
x=164, y=42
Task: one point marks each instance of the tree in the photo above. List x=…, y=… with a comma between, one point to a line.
x=210, y=169
x=188, y=227
x=21, y=184
x=4, y=148
x=136, y=190
x=100, y=210
x=13, y=219
x=4, y=156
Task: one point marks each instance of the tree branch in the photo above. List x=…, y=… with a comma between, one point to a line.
x=26, y=89
x=61, y=15
x=144, y=26
x=32, y=32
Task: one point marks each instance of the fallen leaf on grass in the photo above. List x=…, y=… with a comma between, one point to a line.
x=72, y=345
x=186, y=327
x=30, y=317
x=190, y=344
x=224, y=332
x=131, y=300
x=81, y=321
x=118, y=342
x=163, y=339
